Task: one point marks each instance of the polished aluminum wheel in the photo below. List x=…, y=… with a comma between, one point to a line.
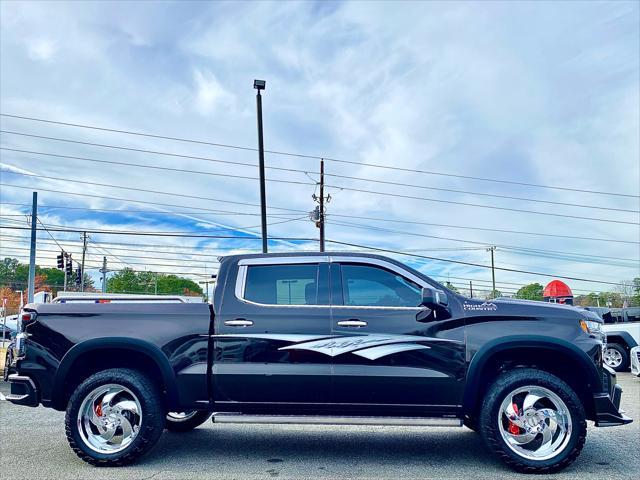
x=181, y=416
x=612, y=357
x=535, y=423
x=109, y=418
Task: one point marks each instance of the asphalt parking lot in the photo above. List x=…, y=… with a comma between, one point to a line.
x=33, y=445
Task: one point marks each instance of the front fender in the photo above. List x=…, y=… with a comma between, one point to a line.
x=132, y=344
x=517, y=342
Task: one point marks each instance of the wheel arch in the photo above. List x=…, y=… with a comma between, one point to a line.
x=622, y=338
x=548, y=351
x=151, y=356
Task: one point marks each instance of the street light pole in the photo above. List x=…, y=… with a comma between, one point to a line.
x=261, y=85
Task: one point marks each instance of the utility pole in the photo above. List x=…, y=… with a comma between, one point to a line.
x=103, y=270
x=470, y=289
x=318, y=214
x=32, y=253
x=322, y=205
x=261, y=85
x=493, y=271
x=84, y=251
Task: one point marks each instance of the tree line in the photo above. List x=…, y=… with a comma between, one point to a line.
x=14, y=277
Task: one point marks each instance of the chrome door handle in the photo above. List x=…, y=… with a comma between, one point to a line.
x=238, y=322
x=352, y=323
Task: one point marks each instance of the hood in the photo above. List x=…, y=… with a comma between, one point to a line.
x=512, y=307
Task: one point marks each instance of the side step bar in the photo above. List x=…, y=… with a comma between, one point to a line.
x=224, y=417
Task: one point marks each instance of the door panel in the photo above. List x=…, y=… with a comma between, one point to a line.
x=383, y=357
x=252, y=363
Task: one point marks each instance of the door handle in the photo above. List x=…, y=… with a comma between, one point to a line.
x=238, y=322
x=352, y=323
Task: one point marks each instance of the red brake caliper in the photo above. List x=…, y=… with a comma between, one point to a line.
x=99, y=410
x=513, y=428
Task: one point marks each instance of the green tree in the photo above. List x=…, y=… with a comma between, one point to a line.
x=129, y=281
x=451, y=286
x=493, y=294
x=533, y=291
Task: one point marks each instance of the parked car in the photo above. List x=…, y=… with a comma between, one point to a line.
x=335, y=338
x=622, y=326
x=635, y=361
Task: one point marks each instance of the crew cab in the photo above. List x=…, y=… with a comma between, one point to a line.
x=330, y=338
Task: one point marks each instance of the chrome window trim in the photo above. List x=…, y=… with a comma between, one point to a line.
x=283, y=260
x=241, y=278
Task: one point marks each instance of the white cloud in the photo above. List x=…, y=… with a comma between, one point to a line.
x=41, y=49
x=526, y=92
x=209, y=93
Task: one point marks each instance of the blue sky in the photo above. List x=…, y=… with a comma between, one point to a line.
x=536, y=92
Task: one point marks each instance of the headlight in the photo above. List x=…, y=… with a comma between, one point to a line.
x=591, y=327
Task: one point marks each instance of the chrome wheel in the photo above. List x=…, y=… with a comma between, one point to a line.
x=181, y=416
x=612, y=357
x=109, y=418
x=535, y=423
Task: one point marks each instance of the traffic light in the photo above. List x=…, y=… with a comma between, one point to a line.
x=79, y=276
x=69, y=266
x=60, y=259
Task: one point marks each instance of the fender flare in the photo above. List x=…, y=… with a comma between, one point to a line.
x=480, y=359
x=132, y=344
x=626, y=336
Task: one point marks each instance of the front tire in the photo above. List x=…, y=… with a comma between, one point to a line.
x=533, y=421
x=185, y=421
x=616, y=357
x=114, y=417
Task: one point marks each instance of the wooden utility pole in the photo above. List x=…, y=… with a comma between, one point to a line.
x=321, y=219
x=84, y=253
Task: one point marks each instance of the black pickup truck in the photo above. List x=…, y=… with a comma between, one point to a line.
x=335, y=338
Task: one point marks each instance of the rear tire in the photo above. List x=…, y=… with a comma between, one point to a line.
x=547, y=431
x=616, y=357
x=114, y=417
x=185, y=421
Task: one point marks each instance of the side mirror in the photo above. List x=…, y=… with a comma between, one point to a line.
x=434, y=304
x=434, y=299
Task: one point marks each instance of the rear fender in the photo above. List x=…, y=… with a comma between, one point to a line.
x=130, y=344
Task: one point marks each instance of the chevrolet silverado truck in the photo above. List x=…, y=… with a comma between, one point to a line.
x=331, y=338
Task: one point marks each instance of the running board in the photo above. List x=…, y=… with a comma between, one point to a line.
x=224, y=417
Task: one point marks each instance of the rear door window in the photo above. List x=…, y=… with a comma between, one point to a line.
x=282, y=284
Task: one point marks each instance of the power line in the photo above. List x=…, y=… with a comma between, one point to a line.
x=144, y=190
x=316, y=157
x=373, y=192
x=174, y=234
x=120, y=199
x=359, y=217
x=119, y=210
x=467, y=204
x=399, y=252
x=415, y=234
x=345, y=177
x=64, y=228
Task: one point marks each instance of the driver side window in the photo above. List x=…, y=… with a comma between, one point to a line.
x=369, y=286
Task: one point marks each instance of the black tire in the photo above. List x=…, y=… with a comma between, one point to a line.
x=490, y=429
x=625, y=363
x=151, y=421
x=193, y=420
